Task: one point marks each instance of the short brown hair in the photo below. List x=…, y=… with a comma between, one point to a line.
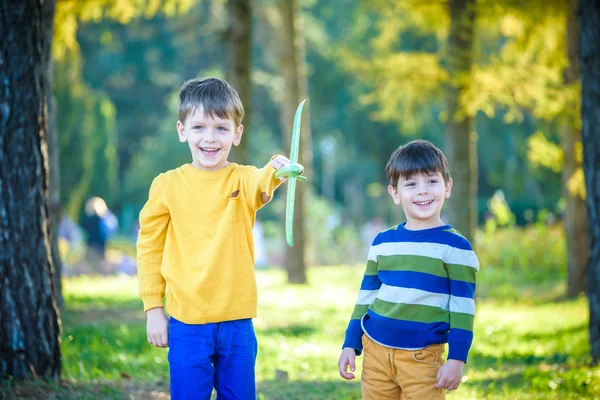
x=215, y=95
x=417, y=156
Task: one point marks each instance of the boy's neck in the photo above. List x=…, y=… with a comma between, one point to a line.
x=417, y=225
x=201, y=168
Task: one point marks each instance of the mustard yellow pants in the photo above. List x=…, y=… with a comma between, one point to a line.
x=400, y=374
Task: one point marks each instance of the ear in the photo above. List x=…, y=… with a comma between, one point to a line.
x=237, y=135
x=181, y=132
x=394, y=193
x=448, y=188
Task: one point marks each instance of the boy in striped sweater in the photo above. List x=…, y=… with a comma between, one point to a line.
x=418, y=290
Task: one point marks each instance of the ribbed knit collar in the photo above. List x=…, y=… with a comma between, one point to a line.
x=212, y=175
x=428, y=231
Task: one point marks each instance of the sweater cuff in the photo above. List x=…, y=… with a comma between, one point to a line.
x=354, y=342
x=459, y=353
x=152, y=302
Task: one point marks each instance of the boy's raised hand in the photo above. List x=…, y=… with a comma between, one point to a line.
x=450, y=375
x=157, y=327
x=279, y=162
x=347, y=359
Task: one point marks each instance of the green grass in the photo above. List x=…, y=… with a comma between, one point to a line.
x=522, y=349
x=530, y=342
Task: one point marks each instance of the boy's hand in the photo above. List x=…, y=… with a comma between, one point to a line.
x=347, y=359
x=279, y=162
x=157, y=327
x=450, y=375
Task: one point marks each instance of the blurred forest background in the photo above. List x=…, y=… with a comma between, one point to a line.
x=495, y=84
x=376, y=74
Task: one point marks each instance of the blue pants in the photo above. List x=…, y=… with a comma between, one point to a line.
x=220, y=355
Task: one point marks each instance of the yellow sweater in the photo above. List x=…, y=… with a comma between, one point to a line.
x=195, y=241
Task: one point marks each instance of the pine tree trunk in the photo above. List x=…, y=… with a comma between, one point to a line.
x=589, y=64
x=461, y=142
x=575, y=218
x=53, y=148
x=238, y=63
x=29, y=321
x=295, y=89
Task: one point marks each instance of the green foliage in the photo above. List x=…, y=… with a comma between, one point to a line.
x=522, y=263
x=384, y=85
x=87, y=138
x=71, y=13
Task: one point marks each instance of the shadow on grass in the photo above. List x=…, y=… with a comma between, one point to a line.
x=65, y=390
x=552, y=335
x=309, y=390
x=488, y=386
x=111, y=390
x=517, y=359
x=88, y=310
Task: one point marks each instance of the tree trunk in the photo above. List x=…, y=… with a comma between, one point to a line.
x=589, y=63
x=461, y=140
x=295, y=89
x=575, y=218
x=29, y=320
x=53, y=148
x=238, y=62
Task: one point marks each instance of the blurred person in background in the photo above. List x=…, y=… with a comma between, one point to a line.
x=99, y=224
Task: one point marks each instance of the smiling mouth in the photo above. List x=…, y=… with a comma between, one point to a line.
x=423, y=203
x=209, y=150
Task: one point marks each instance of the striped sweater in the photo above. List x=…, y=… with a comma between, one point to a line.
x=418, y=290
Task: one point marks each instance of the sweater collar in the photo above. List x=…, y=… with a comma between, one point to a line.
x=193, y=171
x=428, y=231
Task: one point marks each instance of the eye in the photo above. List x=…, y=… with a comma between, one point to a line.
x=408, y=184
x=433, y=181
x=222, y=129
x=197, y=127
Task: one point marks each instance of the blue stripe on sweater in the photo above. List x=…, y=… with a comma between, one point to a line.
x=404, y=334
x=434, y=235
x=370, y=282
x=461, y=343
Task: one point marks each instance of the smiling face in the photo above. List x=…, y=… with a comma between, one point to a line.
x=421, y=196
x=210, y=138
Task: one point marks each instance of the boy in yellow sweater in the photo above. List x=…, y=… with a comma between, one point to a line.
x=195, y=245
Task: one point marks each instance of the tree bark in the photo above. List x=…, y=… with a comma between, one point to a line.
x=239, y=61
x=589, y=63
x=461, y=140
x=53, y=147
x=575, y=217
x=29, y=319
x=295, y=89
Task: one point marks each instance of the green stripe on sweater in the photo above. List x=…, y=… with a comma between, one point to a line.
x=423, y=314
x=462, y=321
x=463, y=273
x=359, y=311
x=410, y=312
x=371, y=268
x=428, y=265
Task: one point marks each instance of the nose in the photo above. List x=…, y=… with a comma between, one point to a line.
x=422, y=189
x=211, y=135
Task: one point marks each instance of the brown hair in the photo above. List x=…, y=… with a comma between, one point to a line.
x=214, y=95
x=417, y=156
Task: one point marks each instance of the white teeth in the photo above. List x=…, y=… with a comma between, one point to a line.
x=423, y=203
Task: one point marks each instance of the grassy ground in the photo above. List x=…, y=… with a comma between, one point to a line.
x=533, y=347
x=530, y=343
